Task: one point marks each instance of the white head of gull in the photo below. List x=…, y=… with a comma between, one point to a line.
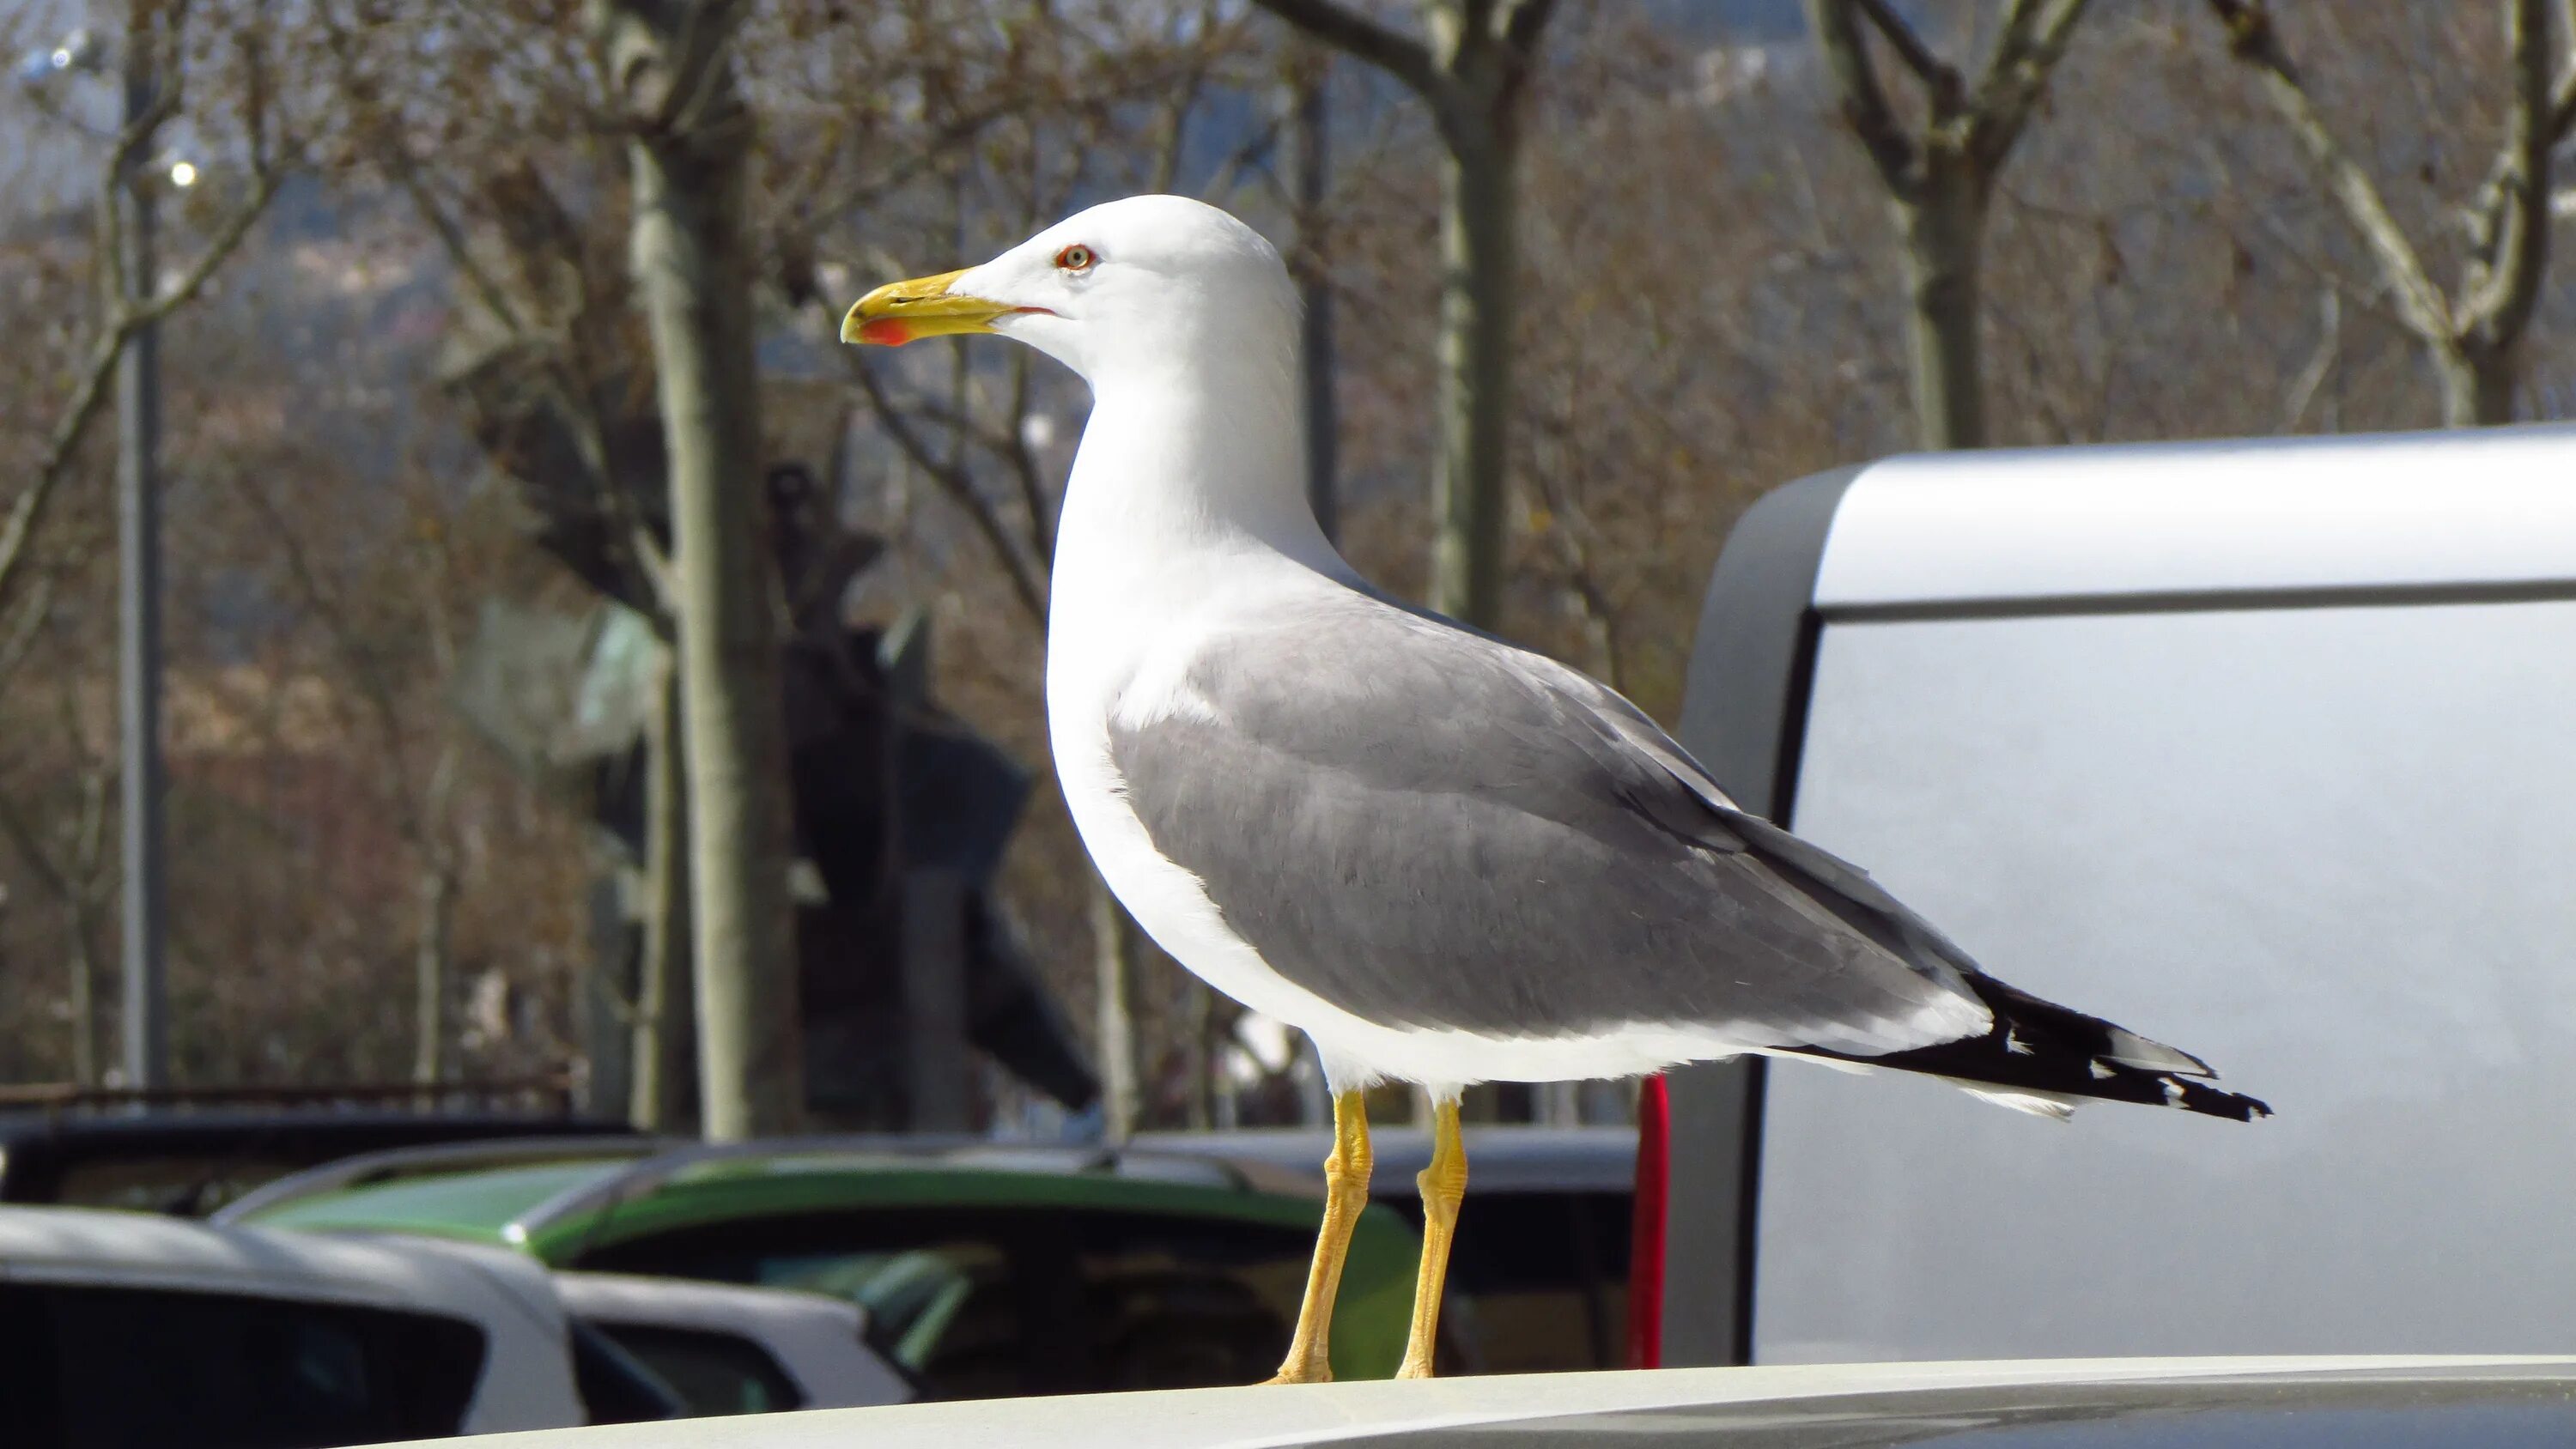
x=1445, y=859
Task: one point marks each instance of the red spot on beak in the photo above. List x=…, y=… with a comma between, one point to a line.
x=885, y=331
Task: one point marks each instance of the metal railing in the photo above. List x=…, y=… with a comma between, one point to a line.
x=557, y=1091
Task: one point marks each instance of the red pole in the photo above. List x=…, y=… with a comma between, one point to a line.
x=1646, y=1234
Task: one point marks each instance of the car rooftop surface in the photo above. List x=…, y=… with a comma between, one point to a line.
x=55, y=1242
x=2221, y=1403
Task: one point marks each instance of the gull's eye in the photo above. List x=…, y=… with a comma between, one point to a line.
x=1075, y=258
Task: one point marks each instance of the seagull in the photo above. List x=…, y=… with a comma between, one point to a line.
x=1447, y=860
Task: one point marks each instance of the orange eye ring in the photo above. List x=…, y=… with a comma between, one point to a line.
x=1076, y=258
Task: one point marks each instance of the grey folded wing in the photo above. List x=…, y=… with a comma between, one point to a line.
x=1429, y=828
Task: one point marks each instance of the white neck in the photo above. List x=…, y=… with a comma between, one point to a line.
x=1182, y=467
x=1211, y=456
x=1187, y=504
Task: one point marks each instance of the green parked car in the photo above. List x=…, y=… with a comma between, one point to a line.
x=985, y=1271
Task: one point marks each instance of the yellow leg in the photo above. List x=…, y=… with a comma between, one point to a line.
x=1443, y=1184
x=1346, y=1188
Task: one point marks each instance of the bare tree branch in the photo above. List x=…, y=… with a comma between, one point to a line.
x=2562, y=101
x=1864, y=103
x=2503, y=287
x=2034, y=39
x=566, y=391
x=2303, y=388
x=20, y=641
x=1024, y=465
x=32, y=850
x=665, y=88
x=1026, y=584
x=1401, y=56
x=90, y=393
x=1522, y=20
x=1935, y=73
x=2420, y=304
x=324, y=604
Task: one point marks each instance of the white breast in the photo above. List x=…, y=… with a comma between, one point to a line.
x=1125, y=649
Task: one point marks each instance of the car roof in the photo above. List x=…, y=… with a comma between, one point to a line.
x=523, y=1193
x=59, y=1244
x=2053, y=1404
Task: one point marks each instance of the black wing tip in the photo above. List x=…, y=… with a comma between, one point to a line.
x=2116, y=1064
x=2211, y=1102
x=2050, y=1051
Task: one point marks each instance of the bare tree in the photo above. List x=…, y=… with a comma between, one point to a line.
x=1940, y=177
x=555, y=364
x=967, y=430
x=659, y=1015
x=135, y=305
x=688, y=139
x=1470, y=68
x=2473, y=334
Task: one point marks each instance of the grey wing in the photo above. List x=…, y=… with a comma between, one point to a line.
x=1427, y=827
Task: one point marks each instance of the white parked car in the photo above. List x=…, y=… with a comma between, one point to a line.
x=128, y=1328
x=736, y=1350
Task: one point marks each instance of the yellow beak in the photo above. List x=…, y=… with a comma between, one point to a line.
x=898, y=312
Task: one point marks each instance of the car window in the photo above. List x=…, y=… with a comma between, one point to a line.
x=716, y=1373
x=615, y=1386
x=91, y=1366
x=917, y=1298
x=979, y=1302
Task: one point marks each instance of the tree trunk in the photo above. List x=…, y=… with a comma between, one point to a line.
x=435, y=945
x=1941, y=228
x=84, y=1003
x=2477, y=384
x=661, y=1010
x=693, y=262
x=1477, y=253
x=1113, y=966
x=429, y=973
